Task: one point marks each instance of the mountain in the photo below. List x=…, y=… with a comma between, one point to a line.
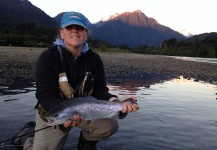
x=23, y=24
x=133, y=29
x=106, y=18
x=20, y=17
x=212, y=36
x=14, y=12
x=186, y=33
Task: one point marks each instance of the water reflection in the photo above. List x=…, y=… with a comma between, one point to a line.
x=16, y=87
x=197, y=59
x=175, y=114
x=131, y=84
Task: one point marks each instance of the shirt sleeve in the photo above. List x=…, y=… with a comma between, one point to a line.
x=47, y=91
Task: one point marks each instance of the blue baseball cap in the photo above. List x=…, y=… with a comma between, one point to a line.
x=73, y=17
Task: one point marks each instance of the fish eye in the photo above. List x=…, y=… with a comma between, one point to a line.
x=56, y=115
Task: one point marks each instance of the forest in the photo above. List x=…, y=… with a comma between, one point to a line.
x=204, y=45
x=31, y=34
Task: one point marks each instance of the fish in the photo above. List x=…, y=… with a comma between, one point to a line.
x=89, y=108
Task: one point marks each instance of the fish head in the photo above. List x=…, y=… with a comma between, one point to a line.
x=56, y=118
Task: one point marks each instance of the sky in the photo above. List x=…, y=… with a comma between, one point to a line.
x=194, y=16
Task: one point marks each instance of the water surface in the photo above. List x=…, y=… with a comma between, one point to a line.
x=197, y=59
x=174, y=113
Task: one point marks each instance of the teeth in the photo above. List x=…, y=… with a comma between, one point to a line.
x=74, y=37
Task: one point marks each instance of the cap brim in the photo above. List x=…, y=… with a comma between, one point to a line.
x=73, y=22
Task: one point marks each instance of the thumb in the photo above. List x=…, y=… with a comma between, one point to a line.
x=125, y=98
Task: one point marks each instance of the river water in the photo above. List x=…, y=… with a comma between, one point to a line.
x=197, y=59
x=175, y=114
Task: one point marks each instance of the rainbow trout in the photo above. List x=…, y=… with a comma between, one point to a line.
x=87, y=107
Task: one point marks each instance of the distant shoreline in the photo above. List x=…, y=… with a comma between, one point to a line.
x=19, y=63
x=197, y=59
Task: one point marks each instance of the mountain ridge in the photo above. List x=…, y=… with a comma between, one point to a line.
x=133, y=29
x=128, y=28
x=24, y=10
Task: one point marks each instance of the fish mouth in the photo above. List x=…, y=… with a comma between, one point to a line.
x=50, y=121
x=54, y=122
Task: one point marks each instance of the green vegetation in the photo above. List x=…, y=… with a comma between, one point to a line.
x=102, y=46
x=22, y=24
x=31, y=34
x=27, y=34
x=204, y=45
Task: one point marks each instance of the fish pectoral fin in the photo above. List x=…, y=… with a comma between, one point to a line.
x=115, y=116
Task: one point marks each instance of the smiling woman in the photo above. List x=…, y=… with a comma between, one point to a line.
x=74, y=31
x=66, y=70
x=74, y=36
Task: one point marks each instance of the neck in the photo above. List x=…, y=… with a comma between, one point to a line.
x=75, y=51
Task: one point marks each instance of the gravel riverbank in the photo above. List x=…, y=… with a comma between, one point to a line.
x=19, y=63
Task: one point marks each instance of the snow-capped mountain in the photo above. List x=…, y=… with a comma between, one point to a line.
x=109, y=17
x=186, y=33
x=132, y=29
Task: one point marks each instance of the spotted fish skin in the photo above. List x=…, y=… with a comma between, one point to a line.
x=87, y=107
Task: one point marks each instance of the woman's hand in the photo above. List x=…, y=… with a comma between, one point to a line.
x=75, y=122
x=130, y=107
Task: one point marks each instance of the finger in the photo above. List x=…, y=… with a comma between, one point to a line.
x=74, y=121
x=74, y=124
x=125, y=108
x=133, y=98
x=82, y=119
x=134, y=107
x=79, y=118
x=76, y=118
x=129, y=107
x=137, y=106
x=67, y=124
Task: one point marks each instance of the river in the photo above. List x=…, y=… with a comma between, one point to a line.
x=175, y=114
x=197, y=59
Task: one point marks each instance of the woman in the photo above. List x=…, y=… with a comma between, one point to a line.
x=60, y=74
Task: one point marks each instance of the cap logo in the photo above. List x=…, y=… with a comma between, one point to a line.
x=74, y=16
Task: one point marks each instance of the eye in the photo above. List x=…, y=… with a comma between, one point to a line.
x=76, y=27
x=56, y=115
x=69, y=27
x=79, y=28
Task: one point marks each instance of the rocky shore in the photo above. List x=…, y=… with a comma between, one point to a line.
x=19, y=63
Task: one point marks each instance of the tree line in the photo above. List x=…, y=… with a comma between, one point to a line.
x=32, y=34
x=29, y=34
x=194, y=47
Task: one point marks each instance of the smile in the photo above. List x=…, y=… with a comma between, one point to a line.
x=74, y=37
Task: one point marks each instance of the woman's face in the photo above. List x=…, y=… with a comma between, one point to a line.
x=73, y=36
